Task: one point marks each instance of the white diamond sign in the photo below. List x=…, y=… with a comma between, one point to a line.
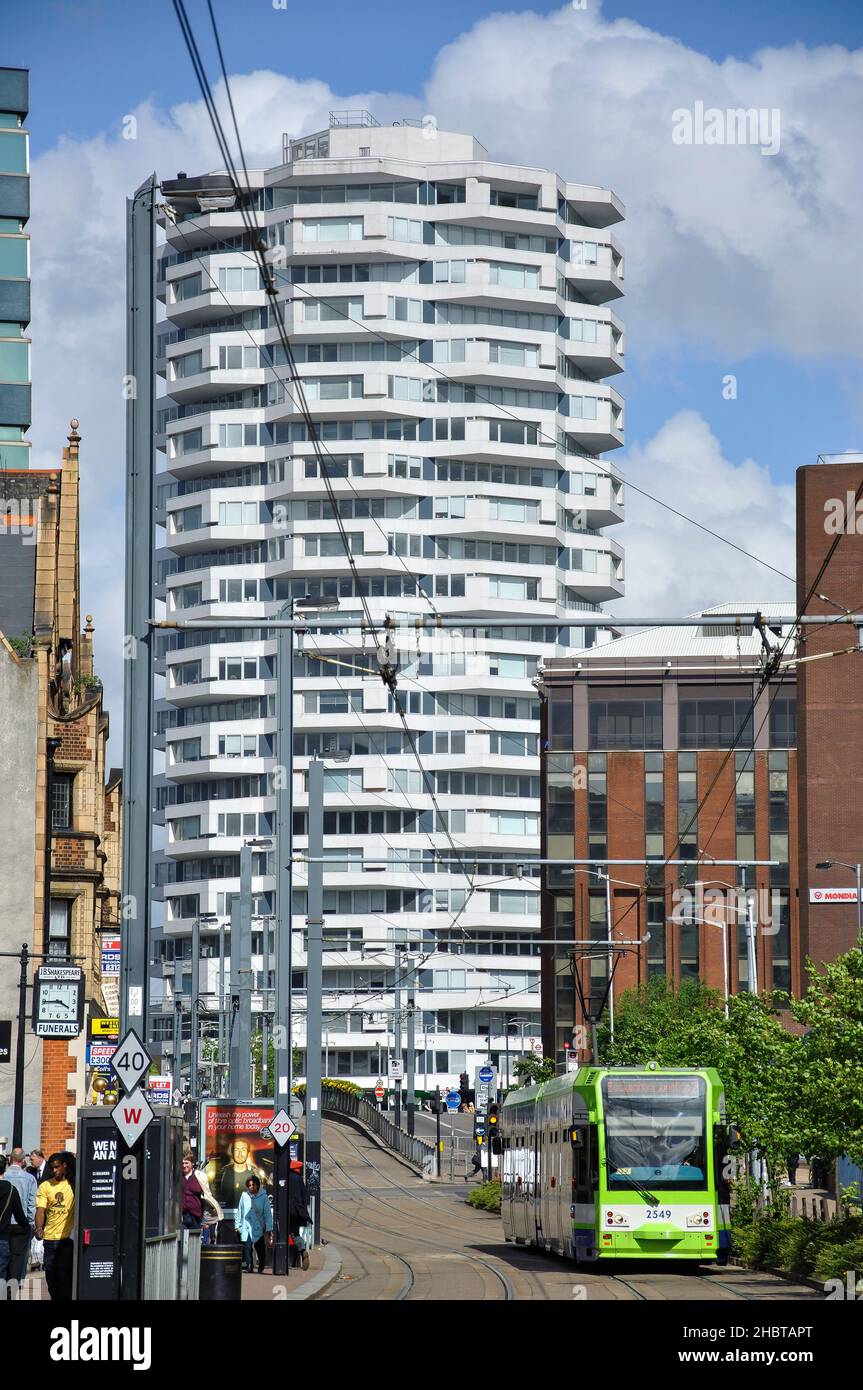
x=132, y=1115
x=282, y=1127
x=131, y=1060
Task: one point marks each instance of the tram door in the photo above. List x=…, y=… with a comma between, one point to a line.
x=538, y=1180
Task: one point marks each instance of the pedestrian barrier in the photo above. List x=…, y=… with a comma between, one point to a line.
x=416, y=1151
x=190, y=1268
x=162, y=1255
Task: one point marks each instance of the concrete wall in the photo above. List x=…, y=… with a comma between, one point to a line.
x=18, y=724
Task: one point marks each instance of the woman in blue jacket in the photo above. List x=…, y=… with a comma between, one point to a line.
x=254, y=1222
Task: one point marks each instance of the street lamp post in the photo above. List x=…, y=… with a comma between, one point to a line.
x=828, y=864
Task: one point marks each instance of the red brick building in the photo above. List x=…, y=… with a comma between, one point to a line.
x=636, y=735
x=830, y=721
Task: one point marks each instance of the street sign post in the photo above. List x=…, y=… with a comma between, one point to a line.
x=132, y=1114
x=282, y=1127
x=396, y=1069
x=485, y=1085
x=131, y=1060
x=453, y=1100
x=380, y=1091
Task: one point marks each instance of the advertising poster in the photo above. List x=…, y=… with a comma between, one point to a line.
x=234, y=1148
x=110, y=955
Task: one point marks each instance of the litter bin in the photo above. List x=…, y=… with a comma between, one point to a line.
x=221, y=1273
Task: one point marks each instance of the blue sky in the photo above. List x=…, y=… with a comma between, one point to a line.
x=91, y=59
x=737, y=265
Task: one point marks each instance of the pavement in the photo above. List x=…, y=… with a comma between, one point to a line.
x=325, y=1266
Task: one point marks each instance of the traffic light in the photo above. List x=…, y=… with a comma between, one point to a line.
x=492, y=1123
x=464, y=1086
x=434, y=1103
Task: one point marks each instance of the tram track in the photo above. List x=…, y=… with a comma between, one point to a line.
x=509, y=1293
x=427, y=1264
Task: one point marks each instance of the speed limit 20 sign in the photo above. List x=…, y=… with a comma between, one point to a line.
x=131, y=1060
x=282, y=1127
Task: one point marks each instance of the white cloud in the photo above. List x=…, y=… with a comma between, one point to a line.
x=733, y=249
x=728, y=250
x=673, y=568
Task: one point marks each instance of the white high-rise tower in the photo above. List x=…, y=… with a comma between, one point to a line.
x=449, y=317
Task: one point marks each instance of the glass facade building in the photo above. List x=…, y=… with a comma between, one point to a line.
x=15, y=387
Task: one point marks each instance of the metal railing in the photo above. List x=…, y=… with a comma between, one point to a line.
x=416, y=1151
x=161, y=1267
x=172, y=1265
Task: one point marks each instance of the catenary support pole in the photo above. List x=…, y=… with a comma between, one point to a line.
x=282, y=1039
x=194, y=1087
x=314, y=992
x=397, y=1025
x=221, y=1051
x=411, y=1097
x=244, y=1017
x=140, y=393
x=177, y=1034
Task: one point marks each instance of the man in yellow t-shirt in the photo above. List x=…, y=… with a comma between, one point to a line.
x=55, y=1213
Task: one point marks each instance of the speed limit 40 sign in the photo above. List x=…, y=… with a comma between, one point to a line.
x=131, y=1060
x=282, y=1127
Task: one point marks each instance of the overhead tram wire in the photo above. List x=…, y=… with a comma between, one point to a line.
x=334, y=661
x=467, y=625
x=773, y=664
x=268, y=279
x=266, y=273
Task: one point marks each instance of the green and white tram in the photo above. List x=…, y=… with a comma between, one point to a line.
x=618, y=1163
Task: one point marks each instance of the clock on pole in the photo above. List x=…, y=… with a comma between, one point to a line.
x=58, y=1001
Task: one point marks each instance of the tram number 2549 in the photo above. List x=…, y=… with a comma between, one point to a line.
x=659, y=1214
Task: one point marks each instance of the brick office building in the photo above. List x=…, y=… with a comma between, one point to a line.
x=51, y=705
x=830, y=722
x=633, y=735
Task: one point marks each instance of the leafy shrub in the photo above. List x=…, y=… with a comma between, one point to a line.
x=834, y=1260
x=798, y=1245
x=486, y=1196
x=332, y=1084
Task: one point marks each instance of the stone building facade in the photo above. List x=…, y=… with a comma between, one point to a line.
x=52, y=705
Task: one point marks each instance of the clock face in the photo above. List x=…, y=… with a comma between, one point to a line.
x=58, y=1002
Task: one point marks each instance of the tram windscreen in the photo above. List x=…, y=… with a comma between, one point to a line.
x=655, y=1131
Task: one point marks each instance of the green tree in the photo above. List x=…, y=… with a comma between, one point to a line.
x=757, y=1058
x=530, y=1069
x=830, y=1083
x=257, y=1049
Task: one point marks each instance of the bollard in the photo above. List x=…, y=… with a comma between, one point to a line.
x=221, y=1273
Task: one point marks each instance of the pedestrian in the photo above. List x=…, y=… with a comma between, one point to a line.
x=13, y=1225
x=254, y=1225
x=298, y=1210
x=55, y=1216
x=38, y=1166
x=477, y=1165
x=17, y=1174
x=193, y=1196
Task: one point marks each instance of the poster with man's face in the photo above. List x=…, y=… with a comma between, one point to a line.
x=235, y=1150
